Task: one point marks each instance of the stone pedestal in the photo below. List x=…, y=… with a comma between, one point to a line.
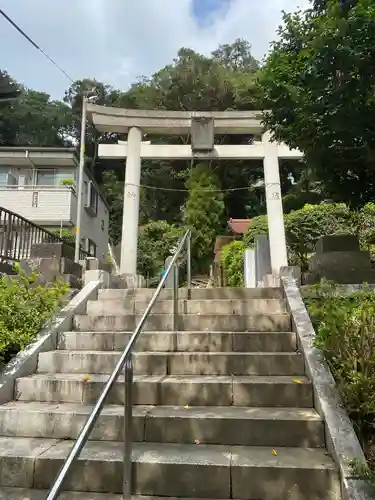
x=250, y=269
x=262, y=259
x=338, y=258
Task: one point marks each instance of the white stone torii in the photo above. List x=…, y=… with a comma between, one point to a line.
x=138, y=122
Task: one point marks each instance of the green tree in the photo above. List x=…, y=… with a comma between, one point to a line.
x=318, y=83
x=203, y=212
x=34, y=119
x=157, y=240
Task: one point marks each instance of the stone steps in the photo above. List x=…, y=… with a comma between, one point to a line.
x=186, y=322
x=194, y=390
x=222, y=408
x=194, y=294
x=31, y=494
x=183, y=470
x=181, y=341
x=175, y=363
x=105, y=307
x=168, y=424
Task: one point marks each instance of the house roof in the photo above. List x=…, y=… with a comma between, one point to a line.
x=239, y=226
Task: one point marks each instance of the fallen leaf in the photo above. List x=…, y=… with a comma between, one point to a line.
x=186, y=407
x=274, y=453
x=86, y=378
x=298, y=381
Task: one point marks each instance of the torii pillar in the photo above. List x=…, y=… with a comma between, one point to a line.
x=130, y=216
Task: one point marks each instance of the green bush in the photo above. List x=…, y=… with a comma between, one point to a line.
x=156, y=240
x=305, y=226
x=232, y=260
x=25, y=307
x=67, y=235
x=364, y=220
x=345, y=332
x=259, y=225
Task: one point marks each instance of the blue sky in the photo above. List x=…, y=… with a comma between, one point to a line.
x=204, y=10
x=117, y=41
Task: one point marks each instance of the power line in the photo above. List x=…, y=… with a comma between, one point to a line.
x=208, y=190
x=30, y=40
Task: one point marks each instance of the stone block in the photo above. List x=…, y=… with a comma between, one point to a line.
x=337, y=243
x=58, y=250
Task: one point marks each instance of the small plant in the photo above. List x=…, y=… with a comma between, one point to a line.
x=67, y=182
x=25, y=307
x=363, y=471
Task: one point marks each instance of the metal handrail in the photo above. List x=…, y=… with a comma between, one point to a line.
x=126, y=361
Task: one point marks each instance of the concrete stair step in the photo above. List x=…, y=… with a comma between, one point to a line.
x=174, y=363
x=197, y=390
x=181, y=341
x=103, y=307
x=195, y=293
x=186, y=322
x=229, y=425
x=29, y=494
x=203, y=471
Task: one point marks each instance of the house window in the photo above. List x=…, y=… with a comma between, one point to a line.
x=6, y=179
x=45, y=177
x=11, y=181
x=91, y=247
x=52, y=176
x=92, y=198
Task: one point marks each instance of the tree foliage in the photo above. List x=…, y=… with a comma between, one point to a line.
x=157, y=239
x=203, y=213
x=318, y=83
x=232, y=260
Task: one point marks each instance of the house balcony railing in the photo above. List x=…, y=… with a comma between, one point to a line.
x=18, y=235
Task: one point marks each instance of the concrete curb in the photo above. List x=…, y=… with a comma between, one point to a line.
x=342, y=441
x=25, y=363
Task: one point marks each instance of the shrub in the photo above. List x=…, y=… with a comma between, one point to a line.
x=67, y=235
x=25, y=307
x=345, y=332
x=259, y=225
x=156, y=241
x=365, y=222
x=232, y=260
x=303, y=228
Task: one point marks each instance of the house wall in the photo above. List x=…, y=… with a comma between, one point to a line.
x=39, y=205
x=56, y=206
x=93, y=227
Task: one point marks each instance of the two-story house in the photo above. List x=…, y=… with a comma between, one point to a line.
x=40, y=184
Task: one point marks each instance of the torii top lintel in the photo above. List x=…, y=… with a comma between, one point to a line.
x=160, y=122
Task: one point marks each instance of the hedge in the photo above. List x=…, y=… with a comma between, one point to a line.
x=25, y=307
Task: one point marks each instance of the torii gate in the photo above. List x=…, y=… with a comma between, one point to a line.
x=202, y=126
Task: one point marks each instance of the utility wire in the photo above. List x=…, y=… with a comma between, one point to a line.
x=208, y=190
x=30, y=40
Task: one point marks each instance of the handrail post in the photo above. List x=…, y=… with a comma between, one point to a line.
x=128, y=421
x=188, y=258
x=175, y=298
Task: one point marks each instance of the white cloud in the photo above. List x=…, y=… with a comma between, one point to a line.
x=119, y=40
